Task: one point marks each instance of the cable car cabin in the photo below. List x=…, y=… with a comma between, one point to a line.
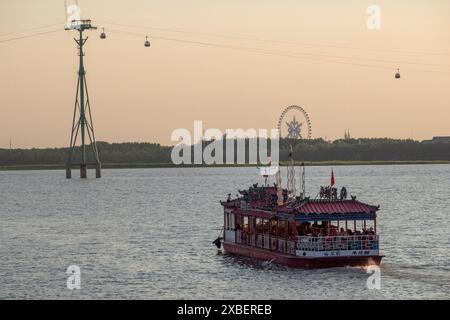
x=301, y=232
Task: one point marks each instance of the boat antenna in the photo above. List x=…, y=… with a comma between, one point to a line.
x=291, y=175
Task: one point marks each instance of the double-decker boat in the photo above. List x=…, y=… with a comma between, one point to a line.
x=267, y=223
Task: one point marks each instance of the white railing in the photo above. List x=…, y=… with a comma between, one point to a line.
x=338, y=243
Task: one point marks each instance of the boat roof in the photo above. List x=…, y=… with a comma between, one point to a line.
x=324, y=206
x=319, y=210
x=311, y=210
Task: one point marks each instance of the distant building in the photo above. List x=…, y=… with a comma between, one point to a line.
x=441, y=139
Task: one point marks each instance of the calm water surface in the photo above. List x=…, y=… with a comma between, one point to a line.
x=147, y=233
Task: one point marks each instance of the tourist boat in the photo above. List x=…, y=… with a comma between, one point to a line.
x=268, y=223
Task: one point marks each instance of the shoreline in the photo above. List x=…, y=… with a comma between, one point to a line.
x=170, y=165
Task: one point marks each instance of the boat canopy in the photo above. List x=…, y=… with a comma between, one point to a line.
x=318, y=210
x=328, y=217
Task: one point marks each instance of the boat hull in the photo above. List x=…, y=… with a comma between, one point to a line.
x=300, y=262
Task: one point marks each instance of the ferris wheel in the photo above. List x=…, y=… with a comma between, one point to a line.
x=294, y=123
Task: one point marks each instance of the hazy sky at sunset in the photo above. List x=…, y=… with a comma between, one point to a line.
x=143, y=94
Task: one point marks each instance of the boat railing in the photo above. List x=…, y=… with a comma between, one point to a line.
x=308, y=243
x=286, y=246
x=266, y=241
x=337, y=243
x=238, y=236
x=291, y=247
x=247, y=238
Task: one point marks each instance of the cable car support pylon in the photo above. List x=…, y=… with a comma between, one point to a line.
x=82, y=116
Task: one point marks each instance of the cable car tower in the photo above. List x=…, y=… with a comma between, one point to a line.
x=82, y=116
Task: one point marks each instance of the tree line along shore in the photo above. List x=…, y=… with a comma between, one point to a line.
x=313, y=151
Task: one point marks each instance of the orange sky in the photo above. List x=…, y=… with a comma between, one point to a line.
x=143, y=94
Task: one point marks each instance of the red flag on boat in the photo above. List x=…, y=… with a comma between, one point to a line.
x=332, y=178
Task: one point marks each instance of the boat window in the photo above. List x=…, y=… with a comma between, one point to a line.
x=266, y=226
x=273, y=227
x=282, y=227
x=245, y=224
x=259, y=225
x=227, y=220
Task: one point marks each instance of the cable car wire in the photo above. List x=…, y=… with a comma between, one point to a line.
x=291, y=54
x=271, y=52
x=31, y=35
x=395, y=62
x=272, y=40
x=32, y=29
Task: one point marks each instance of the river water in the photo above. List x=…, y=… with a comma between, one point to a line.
x=147, y=233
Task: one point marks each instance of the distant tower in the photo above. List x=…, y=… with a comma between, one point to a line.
x=347, y=135
x=82, y=116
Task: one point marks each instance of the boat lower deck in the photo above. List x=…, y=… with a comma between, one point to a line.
x=299, y=261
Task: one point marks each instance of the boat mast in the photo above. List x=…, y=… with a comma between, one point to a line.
x=291, y=176
x=302, y=180
x=279, y=188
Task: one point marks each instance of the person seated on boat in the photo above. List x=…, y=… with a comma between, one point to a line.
x=342, y=232
x=273, y=231
x=308, y=228
x=238, y=226
x=371, y=232
x=350, y=232
x=293, y=235
x=300, y=231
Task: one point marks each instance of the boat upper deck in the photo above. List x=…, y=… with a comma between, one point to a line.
x=263, y=202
